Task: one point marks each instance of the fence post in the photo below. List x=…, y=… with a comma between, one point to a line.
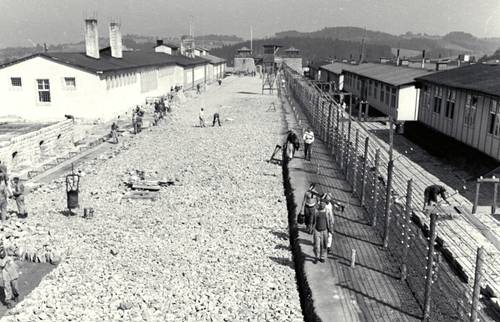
x=388, y=190
x=355, y=164
x=430, y=264
x=495, y=192
x=329, y=127
x=477, y=284
x=476, y=198
x=375, y=187
x=406, y=229
x=365, y=164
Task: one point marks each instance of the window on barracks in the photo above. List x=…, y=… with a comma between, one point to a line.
x=393, y=98
x=438, y=99
x=375, y=89
x=450, y=104
x=493, y=122
x=70, y=82
x=387, y=94
x=43, y=90
x=16, y=82
x=470, y=110
x=382, y=93
x=370, y=84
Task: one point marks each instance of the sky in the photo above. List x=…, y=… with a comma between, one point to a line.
x=27, y=22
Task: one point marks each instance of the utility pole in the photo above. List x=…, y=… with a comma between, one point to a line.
x=251, y=40
x=391, y=140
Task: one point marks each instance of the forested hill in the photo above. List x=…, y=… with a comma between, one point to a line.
x=312, y=49
x=451, y=44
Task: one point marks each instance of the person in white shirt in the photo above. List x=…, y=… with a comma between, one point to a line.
x=201, y=116
x=308, y=141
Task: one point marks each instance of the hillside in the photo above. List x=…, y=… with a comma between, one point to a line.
x=451, y=44
x=312, y=49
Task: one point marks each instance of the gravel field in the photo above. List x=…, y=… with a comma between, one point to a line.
x=213, y=247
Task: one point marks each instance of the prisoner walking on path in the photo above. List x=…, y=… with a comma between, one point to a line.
x=18, y=194
x=308, y=141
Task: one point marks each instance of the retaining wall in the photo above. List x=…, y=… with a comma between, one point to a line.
x=31, y=149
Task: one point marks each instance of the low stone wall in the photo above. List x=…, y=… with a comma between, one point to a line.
x=34, y=148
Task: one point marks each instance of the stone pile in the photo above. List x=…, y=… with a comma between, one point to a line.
x=213, y=247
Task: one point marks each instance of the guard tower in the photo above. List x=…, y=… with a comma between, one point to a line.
x=244, y=63
x=293, y=59
x=187, y=46
x=269, y=67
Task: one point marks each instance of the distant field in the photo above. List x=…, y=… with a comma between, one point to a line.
x=405, y=52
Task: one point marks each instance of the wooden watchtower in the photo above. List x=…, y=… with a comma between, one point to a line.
x=269, y=67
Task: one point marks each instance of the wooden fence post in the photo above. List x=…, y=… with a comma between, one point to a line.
x=329, y=127
x=388, y=203
x=365, y=164
x=430, y=267
x=477, y=284
x=495, y=192
x=405, y=240
x=375, y=187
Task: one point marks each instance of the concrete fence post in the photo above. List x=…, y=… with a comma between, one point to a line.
x=365, y=164
x=355, y=164
x=430, y=264
x=477, y=284
x=388, y=202
x=476, y=198
x=405, y=239
x=375, y=187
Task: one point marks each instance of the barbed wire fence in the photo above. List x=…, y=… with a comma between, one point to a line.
x=388, y=196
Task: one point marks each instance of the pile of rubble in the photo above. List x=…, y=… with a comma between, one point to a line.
x=213, y=245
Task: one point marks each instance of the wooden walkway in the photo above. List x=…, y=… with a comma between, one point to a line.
x=372, y=290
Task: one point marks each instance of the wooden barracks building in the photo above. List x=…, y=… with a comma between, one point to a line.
x=464, y=103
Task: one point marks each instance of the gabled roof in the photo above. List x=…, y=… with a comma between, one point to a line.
x=482, y=78
x=106, y=63
x=291, y=49
x=214, y=59
x=168, y=44
x=389, y=74
x=244, y=48
x=335, y=68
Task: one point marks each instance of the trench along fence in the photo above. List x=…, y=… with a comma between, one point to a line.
x=448, y=282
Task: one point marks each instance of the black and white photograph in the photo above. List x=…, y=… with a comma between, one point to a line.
x=266, y=160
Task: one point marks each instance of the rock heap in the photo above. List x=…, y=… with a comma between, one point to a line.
x=212, y=247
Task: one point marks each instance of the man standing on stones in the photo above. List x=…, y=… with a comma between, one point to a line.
x=216, y=117
x=201, y=116
x=9, y=276
x=320, y=227
x=310, y=201
x=18, y=194
x=4, y=196
x=308, y=141
x=114, y=133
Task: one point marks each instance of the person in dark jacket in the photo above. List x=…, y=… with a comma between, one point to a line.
x=321, y=225
x=292, y=144
x=431, y=194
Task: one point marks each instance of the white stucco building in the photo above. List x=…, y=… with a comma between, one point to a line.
x=100, y=83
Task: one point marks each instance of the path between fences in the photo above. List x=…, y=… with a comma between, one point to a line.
x=372, y=290
x=408, y=234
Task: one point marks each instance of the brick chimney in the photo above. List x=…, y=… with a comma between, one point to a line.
x=423, y=59
x=115, y=40
x=159, y=42
x=91, y=38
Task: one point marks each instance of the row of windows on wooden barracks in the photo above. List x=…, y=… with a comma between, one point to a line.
x=100, y=83
x=462, y=103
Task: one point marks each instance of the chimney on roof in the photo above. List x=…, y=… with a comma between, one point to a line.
x=115, y=40
x=397, y=58
x=91, y=38
x=423, y=59
x=159, y=42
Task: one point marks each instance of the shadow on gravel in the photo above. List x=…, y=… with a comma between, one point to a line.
x=248, y=93
x=280, y=235
x=283, y=247
x=283, y=261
